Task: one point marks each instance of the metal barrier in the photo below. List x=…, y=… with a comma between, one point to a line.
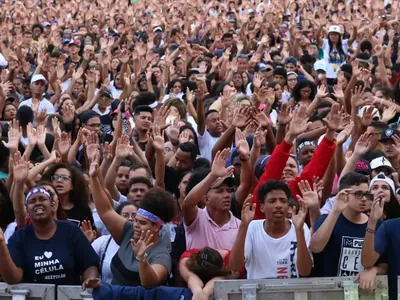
x=72, y=292
x=335, y=288
x=27, y=291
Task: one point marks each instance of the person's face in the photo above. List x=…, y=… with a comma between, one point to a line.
x=290, y=67
x=174, y=113
x=9, y=112
x=278, y=91
x=237, y=167
x=213, y=123
x=68, y=102
x=388, y=148
x=290, y=171
x=73, y=49
x=62, y=181
x=36, y=32
x=275, y=206
x=179, y=64
x=183, y=184
x=168, y=151
x=157, y=73
x=305, y=93
x=280, y=79
x=137, y=191
x=27, y=39
x=306, y=154
x=103, y=102
x=219, y=199
x=142, y=224
x=237, y=80
x=114, y=63
x=177, y=88
x=312, y=50
x=358, y=203
x=40, y=207
x=118, y=82
x=334, y=37
x=38, y=87
x=122, y=178
x=26, y=90
x=291, y=81
x=144, y=120
x=79, y=85
x=227, y=42
x=95, y=29
x=93, y=124
x=183, y=161
x=267, y=73
x=277, y=59
x=18, y=84
x=381, y=186
x=243, y=64
x=143, y=85
x=245, y=78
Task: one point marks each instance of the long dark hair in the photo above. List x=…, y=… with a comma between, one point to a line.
x=339, y=47
x=79, y=195
x=391, y=209
x=6, y=207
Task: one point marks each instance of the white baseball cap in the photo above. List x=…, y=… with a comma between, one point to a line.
x=38, y=77
x=381, y=162
x=320, y=65
x=383, y=177
x=334, y=28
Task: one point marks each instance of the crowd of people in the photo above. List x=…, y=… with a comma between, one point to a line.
x=175, y=143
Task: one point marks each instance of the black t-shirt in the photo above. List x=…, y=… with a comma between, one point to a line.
x=172, y=179
x=61, y=260
x=79, y=213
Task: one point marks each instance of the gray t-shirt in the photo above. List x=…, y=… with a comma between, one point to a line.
x=124, y=266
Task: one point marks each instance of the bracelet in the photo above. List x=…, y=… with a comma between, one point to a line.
x=244, y=159
x=143, y=259
x=370, y=230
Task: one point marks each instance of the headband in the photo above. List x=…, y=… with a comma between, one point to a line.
x=149, y=216
x=305, y=143
x=36, y=190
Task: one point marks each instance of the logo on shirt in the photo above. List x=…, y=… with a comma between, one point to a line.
x=45, y=264
x=287, y=265
x=350, y=256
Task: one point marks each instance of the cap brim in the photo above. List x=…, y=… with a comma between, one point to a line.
x=221, y=180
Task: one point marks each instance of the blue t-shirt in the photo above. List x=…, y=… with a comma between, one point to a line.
x=59, y=260
x=342, y=253
x=387, y=243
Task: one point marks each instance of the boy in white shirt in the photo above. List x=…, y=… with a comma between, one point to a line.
x=275, y=247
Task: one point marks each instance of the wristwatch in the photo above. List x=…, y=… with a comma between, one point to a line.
x=370, y=230
x=143, y=259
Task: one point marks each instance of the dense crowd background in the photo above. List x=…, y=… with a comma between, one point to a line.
x=151, y=143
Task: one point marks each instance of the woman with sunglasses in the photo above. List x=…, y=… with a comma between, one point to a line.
x=144, y=259
x=106, y=247
x=72, y=191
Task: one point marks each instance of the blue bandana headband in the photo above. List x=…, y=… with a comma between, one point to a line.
x=149, y=216
x=36, y=191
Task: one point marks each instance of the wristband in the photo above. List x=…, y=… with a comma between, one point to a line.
x=370, y=230
x=143, y=259
x=244, y=159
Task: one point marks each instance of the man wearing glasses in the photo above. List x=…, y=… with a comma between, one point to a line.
x=339, y=235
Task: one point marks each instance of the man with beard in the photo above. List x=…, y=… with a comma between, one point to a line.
x=143, y=118
x=281, y=165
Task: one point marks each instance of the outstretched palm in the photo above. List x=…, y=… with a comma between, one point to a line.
x=218, y=167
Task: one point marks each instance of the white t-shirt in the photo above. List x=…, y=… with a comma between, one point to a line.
x=115, y=92
x=99, y=246
x=266, y=257
x=206, y=144
x=43, y=104
x=334, y=60
x=96, y=109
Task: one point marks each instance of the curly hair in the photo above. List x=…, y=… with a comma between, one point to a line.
x=301, y=85
x=178, y=104
x=79, y=195
x=160, y=203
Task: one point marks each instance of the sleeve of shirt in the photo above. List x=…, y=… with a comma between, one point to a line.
x=163, y=259
x=15, y=247
x=319, y=222
x=99, y=244
x=381, y=239
x=84, y=254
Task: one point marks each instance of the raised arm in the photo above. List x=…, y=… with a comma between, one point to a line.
x=158, y=144
x=242, y=147
x=195, y=196
x=9, y=271
x=21, y=171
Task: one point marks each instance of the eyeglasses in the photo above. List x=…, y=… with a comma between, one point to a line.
x=63, y=178
x=128, y=215
x=359, y=195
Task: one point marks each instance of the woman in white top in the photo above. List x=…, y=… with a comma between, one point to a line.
x=335, y=49
x=106, y=247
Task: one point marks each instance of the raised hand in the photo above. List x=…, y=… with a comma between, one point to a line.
x=87, y=230
x=143, y=244
x=123, y=149
x=310, y=196
x=248, y=210
x=55, y=124
x=241, y=118
x=41, y=116
x=299, y=217
x=242, y=147
x=218, y=168
x=344, y=134
x=64, y=144
x=20, y=167
x=77, y=73
x=92, y=145
x=363, y=144
x=299, y=121
x=261, y=118
x=377, y=206
x=68, y=113
x=158, y=140
x=94, y=164
x=160, y=117
x=322, y=92
x=357, y=99
x=41, y=135
x=389, y=113
x=31, y=134
x=285, y=114
x=333, y=120
x=107, y=155
x=341, y=200
x=14, y=135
